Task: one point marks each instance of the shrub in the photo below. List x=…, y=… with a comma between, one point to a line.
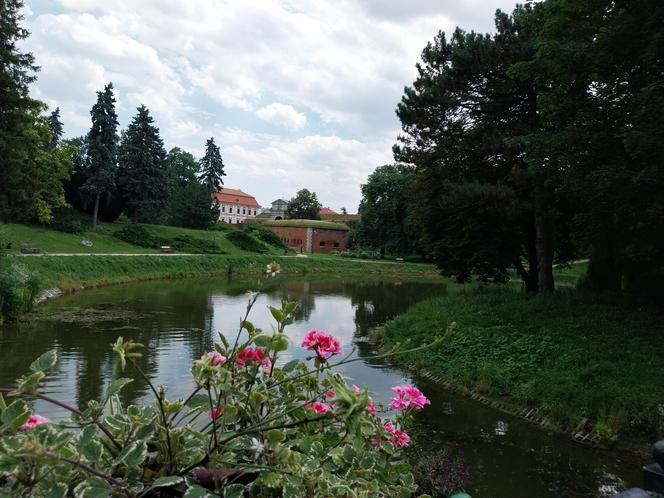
x=246, y=242
x=18, y=290
x=264, y=234
x=187, y=243
x=222, y=226
x=70, y=221
x=136, y=235
x=249, y=428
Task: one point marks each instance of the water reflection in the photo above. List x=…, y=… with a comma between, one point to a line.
x=178, y=322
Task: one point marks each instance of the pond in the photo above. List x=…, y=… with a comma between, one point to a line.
x=178, y=322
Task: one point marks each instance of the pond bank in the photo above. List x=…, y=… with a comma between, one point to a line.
x=558, y=360
x=65, y=274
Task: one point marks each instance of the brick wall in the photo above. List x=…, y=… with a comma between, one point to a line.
x=322, y=239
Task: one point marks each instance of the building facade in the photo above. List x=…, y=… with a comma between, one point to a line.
x=277, y=211
x=236, y=206
x=310, y=236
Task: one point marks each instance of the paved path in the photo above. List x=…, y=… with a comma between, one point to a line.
x=70, y=254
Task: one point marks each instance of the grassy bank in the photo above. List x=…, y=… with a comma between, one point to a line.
x=572, y=354
x=72, y=272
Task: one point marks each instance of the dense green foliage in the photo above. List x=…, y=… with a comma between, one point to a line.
x=304, y=206
x=142, y=168
x=245, y=241
x=137, y=235
x=567, y=353
x=541, y=142
x=212, y=167
x=386, y=212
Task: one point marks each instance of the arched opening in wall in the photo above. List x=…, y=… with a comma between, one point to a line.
x=278, y=218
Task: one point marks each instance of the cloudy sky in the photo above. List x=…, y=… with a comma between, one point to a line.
x=297, y=93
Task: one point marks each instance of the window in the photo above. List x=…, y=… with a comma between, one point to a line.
x=244, y=211
x=223, y=209
x=336, y=244
x=321, y=243
x=230, y=209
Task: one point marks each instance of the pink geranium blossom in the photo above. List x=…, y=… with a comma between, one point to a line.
x=408, y=396
x=34, y=421
x=399, y=437
x=370, y=403
x=214, y=414
x=323, y=344
x=318, y=407
x=253, y=354
x=217, y=358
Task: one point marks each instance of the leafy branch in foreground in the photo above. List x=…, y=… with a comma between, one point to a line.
x=252, y=426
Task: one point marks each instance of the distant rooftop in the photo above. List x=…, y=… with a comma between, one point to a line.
x=235, y=196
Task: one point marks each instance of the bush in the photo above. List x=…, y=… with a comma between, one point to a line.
x=222, y=226
x=70, y=221
x=252, y=426
x=18, y=290
x=264, y=234
x=137, y=235
x=360, y=254
x=245, y=242
x=187, y=243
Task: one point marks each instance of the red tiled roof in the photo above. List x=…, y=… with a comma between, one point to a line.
x=327, y=211
x=235, y=196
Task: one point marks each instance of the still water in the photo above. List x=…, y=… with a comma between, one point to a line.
x=178, y=322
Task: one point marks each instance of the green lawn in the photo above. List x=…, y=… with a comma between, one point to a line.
x=574, y=354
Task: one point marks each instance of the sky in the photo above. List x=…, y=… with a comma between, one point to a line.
x=298, y=94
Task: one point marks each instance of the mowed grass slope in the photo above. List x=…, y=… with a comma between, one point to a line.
x=574, y=354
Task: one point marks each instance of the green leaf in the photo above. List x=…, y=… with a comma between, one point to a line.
x=93, y=488
x=45, y=361
x=55, y=490
x=165, y=482
x=234, y=491
x=27, y=384
x=262, y=341
x=275, y=436
x=199, y=401
x=14, y=416
x=133, y=454
x=290, y=366
x=279, y=342
x=248, y=326
x=196, y=491
x=277, y=314
x=116, y=386
x=3, y=405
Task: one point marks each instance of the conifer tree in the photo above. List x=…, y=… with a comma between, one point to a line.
x=212, y=167
x=102, y=143
x=55, y=125
x=143, y=176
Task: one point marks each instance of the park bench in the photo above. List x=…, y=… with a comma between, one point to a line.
x=27, y=248
x=166, y=248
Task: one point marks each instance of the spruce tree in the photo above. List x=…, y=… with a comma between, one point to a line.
x=55, y=125
x=102, y=143
x=212, y=167
x=143, y=176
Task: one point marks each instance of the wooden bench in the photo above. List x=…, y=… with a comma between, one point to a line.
x=26, y=248
x=165, y=248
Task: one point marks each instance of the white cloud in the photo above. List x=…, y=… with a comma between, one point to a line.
x=283, y=115
x=220, y=67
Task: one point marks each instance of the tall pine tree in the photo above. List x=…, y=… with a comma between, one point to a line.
x=102, y=143
x=143, y=175
x=30, y=175
x=212, y=167
x=55, y=125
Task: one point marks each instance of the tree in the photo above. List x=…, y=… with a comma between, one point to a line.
x=142, y=168
x=212, y=167
x=189, y=203
x=55, y=125
x=464, y=121
x=31, y=175
x=386, y=221
x=304, y=206
x=102, y=142
x=344, y=210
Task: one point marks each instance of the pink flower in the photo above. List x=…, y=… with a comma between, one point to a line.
x=217, y=358
x=318, y=407
x=408, y=396
x=399, y=437
x=370, y=404
x=214, y=414
x=323, y=344
x=34, y=421
x=253, y=354
x=330, y=394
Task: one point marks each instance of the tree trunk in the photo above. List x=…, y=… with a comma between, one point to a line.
x=529, y=276
x=95, y=212
x=382, y=253
x=544, y=246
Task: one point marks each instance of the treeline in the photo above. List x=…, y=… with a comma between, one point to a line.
x=104, y=173
x=536, y=145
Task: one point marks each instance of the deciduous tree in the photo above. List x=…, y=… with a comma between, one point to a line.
x=304, y=206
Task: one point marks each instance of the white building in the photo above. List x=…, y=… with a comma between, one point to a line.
x=236, y=206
